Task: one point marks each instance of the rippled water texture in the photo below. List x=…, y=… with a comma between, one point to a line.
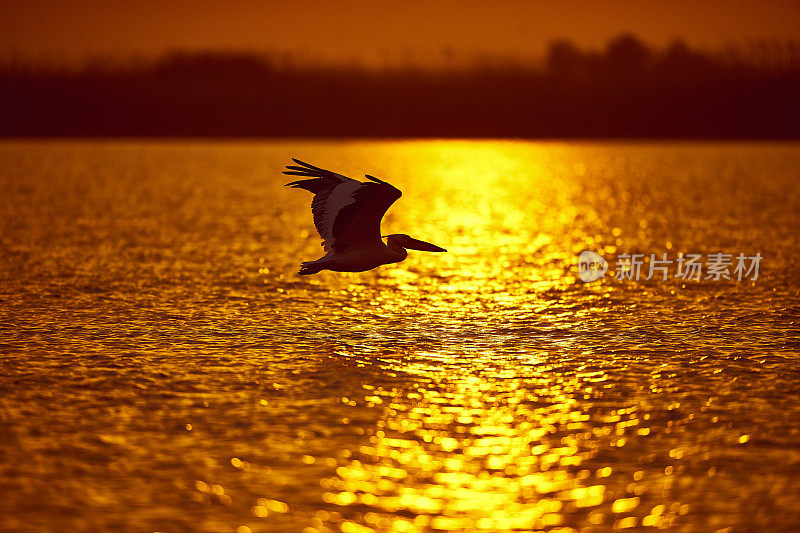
x=164, y=368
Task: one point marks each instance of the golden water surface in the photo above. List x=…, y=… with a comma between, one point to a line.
x=164, y=368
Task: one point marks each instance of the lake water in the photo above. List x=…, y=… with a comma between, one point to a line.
x=164, y=368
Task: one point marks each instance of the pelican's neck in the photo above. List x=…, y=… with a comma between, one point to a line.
x=396, y=248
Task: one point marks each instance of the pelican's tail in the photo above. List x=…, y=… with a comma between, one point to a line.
x=310, y=267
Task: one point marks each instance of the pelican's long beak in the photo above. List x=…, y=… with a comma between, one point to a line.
x=416, y=244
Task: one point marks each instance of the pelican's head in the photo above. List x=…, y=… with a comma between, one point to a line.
x=404, y=241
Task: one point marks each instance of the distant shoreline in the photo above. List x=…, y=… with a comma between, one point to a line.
x=629, y=92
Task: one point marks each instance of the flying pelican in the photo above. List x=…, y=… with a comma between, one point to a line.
x=347, y=214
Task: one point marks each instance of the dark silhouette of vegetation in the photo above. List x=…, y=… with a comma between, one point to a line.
x=629, y=90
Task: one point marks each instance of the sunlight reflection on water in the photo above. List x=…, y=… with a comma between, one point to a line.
x=164, y=368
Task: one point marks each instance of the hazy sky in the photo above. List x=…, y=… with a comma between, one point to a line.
x=344, y=30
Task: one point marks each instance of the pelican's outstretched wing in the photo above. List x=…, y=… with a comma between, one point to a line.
x=347, y=213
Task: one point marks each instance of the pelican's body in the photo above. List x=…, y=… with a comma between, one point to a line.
x=347, y=215
x=358, y=260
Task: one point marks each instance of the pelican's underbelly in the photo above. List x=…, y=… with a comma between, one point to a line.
x=360, y=260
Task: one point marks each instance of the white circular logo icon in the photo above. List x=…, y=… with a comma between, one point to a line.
x=591, y=266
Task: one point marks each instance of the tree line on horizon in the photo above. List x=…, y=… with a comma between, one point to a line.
x=627, y=90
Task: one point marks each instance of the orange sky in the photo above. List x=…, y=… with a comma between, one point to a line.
x=375, y=32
